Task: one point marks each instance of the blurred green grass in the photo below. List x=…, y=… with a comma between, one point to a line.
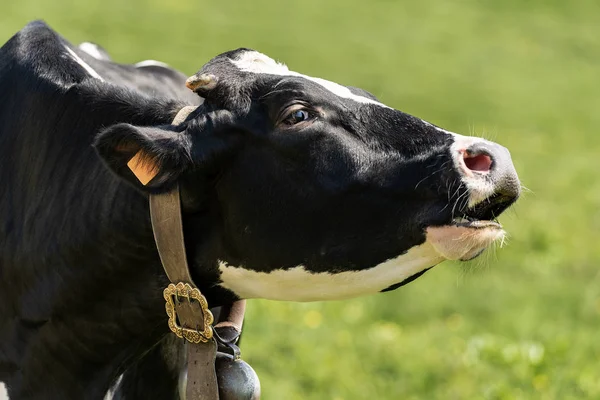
x=520, y=323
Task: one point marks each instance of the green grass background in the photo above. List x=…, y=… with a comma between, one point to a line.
x=522, y=322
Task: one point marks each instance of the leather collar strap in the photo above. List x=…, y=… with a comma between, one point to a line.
x=190, y=318
x=192, y=313
x=165, y=212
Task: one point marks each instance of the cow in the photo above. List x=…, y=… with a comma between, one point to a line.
x=292, y=188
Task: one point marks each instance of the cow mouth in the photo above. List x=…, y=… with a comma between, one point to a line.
x=466, y=222
x=490, y=208
x=469, y=235
x=484, y=214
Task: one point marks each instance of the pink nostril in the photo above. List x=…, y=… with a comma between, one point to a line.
x=479, y=162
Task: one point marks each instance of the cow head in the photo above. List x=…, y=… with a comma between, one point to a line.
x=298, y=188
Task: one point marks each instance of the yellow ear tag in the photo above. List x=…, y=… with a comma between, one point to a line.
x=142, y=168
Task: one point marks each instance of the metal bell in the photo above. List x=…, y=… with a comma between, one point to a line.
x=236, y=378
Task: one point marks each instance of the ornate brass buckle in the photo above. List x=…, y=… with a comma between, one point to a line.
x=173, y=292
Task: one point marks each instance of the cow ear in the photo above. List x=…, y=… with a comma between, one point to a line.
x=150, y=158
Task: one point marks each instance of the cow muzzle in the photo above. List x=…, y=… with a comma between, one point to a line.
x=486, y=170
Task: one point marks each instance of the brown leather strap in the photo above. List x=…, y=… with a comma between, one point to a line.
x=201, y=374
x=165, y=213
x=167, y=225
x=183, y=114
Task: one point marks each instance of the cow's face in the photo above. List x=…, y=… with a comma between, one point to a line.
x=304, y=189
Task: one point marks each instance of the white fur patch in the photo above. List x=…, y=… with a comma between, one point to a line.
x=298, y=284
x=151, y=63
x=258, y=63
x=83, y=64
x=3, y=392
x=92, y=50
x=111, y=392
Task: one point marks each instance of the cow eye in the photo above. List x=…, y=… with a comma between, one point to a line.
x=296, y=116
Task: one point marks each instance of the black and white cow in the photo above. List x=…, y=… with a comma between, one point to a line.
x=293, y=188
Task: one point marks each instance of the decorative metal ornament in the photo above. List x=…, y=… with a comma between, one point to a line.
x=172, y=294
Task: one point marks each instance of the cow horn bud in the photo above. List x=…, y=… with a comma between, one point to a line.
x=204, y=82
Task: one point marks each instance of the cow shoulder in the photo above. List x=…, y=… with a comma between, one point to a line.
x=43, y=77
x=38, y=56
